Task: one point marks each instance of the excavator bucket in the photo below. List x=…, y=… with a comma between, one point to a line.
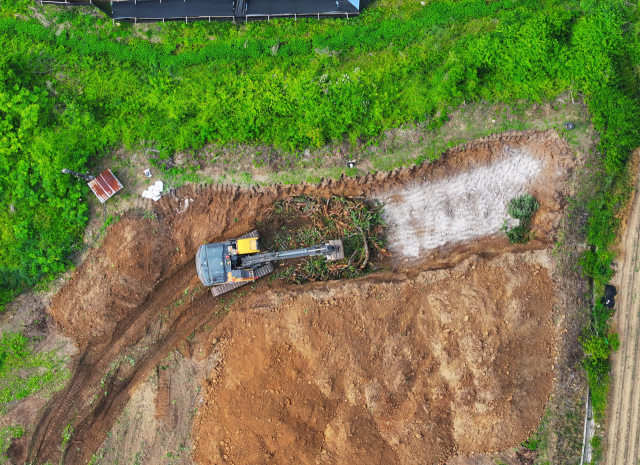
x=338, y=254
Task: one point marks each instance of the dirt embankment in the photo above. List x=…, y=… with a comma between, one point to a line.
x=138, y=296
x=391, y=370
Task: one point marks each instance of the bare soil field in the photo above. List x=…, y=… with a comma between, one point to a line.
x=385, y=370
x=449, y=352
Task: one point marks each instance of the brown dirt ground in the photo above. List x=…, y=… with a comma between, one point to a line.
x=137, y=297
x=385, y=370
x=155, y=426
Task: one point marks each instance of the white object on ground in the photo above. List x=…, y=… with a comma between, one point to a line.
x=184, y=206
x=154, y=192
x=147, y=173
x=466, y=206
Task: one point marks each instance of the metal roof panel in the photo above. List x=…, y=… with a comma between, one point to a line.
x=105, y=185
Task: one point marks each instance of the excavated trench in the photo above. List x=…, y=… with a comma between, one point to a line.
x=137, y=297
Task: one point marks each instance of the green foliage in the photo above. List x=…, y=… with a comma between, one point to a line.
x=600, y=64
x=597, y=448
x=600, y=315
x=597, y=265
x=66, y=435
x=559, y=434
x=40, y=210
x=518, y=234
x=23, y=372
x=614, y=340
x=66, y=98
x=539, y=439
x=596, y=347
x=521, y=208
x=597, y=365
x=532, y=443
x=7, y=434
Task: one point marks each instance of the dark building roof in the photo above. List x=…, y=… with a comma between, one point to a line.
x=171, y=9
x=299, y=7
x=192, y=10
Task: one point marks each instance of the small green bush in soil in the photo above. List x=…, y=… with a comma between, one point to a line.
x=521, y=208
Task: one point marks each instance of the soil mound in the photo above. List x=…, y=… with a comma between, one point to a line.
x=396, y=371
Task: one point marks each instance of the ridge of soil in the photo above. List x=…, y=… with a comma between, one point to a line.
x=137, y=297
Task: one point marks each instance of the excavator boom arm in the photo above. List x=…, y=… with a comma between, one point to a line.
x=261, y=258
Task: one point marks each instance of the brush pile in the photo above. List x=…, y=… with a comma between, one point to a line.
x=306, y=221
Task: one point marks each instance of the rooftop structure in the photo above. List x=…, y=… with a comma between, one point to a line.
x=145, y=11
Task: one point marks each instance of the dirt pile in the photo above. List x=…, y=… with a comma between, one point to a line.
x=137, y=297
x=389, y=370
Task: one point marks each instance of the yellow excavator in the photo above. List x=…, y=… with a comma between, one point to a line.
x=228, y=265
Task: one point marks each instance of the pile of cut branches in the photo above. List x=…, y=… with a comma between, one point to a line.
x=306, y=221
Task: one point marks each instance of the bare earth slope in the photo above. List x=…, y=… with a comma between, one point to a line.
x=623, y=441
x=399, y=371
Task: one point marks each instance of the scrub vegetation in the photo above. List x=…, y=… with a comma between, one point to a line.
x=24, y=371
x=521, y=208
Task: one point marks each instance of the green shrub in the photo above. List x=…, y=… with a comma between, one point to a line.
x=521, y=208
x=518, y=235
x=597, y=449
x=597, y=365
x=597, y=264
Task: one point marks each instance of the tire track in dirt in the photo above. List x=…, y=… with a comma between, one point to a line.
x=95, y=362
x=93, y=432
x=624, y=416
x=162, y=397
x=123, y=313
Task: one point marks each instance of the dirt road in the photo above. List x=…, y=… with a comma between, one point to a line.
x=624, y=416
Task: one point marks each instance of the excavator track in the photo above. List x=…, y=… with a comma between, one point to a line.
x=224, y=288
x=250, y=234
